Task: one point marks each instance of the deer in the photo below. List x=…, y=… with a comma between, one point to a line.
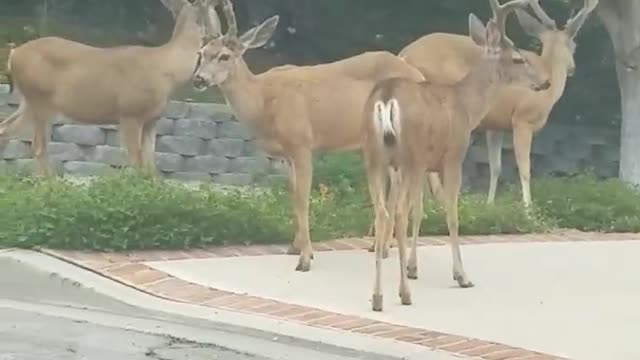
x=294, y=111
x=125, y=85
x=417, y=127
x=446, y=58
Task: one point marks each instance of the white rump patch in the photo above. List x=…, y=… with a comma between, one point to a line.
x=387, y=117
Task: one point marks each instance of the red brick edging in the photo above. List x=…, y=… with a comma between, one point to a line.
x=129, y=269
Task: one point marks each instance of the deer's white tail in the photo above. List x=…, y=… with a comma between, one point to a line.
x=387, y=120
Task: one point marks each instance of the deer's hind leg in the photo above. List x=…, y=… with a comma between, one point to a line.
x=12, y=124
x=376, y=180
x=452, y=181
x=417, y=213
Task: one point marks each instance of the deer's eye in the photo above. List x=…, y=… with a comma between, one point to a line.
x=224, y=57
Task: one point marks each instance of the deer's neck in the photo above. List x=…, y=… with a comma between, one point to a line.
x=243, y=93
x=558, y=69
x=178, y=57
x=477, y=90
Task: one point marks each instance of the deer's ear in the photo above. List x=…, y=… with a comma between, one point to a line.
x=477, y=30
x=531, y=25
x=259, y=35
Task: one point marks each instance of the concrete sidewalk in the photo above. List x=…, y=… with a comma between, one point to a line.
x=537, y=297
x=70, y=309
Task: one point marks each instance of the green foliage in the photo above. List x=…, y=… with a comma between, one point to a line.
x=129, y=210
x=587, y=203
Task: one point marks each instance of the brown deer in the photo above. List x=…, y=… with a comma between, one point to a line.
x=127, y=85
x=295, y=110
x=447, y=58
x=418, y=127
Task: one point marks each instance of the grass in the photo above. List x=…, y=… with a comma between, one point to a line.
x=129, y=210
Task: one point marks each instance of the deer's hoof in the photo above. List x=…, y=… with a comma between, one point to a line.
x=405, y=298
x=463, y=282
x=376, y=303
x=303, y=265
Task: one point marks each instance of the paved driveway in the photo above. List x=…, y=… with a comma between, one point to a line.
x=573, y=299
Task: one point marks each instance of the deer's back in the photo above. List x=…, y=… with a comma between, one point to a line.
x=331, y=96
x=85, y=82
x=441, y=57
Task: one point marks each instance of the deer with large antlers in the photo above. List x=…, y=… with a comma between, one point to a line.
x=126, y=85
x=447, y=58
x=419, y=127
x=294, y=110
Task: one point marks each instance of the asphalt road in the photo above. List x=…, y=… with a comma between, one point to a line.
x=29, y=336
x=45, y=316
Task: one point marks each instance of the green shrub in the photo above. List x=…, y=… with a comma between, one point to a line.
x=587, y=203
x=129, y=210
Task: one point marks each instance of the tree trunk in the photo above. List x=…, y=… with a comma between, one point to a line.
x=622, y=20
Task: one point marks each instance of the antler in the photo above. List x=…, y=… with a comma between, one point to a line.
x=542, y=15
x=230, y=17
x=213, y=20
x=500, y=13
x=209, y=18
x=174, y=6
x=576, y=22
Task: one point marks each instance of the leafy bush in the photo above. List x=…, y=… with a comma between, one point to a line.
x=129, y=210
x=587, y=203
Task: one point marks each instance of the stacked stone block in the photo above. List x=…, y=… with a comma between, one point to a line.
x=195, y=142
x=204, y=142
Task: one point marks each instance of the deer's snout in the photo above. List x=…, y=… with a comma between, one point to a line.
x=199, y=82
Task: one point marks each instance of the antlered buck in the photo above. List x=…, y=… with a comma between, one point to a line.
x=447, y=58
x=295, y=110
x=127, y=85
x=418, y=127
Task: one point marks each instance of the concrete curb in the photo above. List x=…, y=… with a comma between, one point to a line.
x=131, y=296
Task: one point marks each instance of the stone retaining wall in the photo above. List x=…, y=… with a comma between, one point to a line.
x=204, y=142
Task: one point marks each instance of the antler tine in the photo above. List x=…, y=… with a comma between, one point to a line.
x=230, y=16
x=542, y=15
x=211, y=19
x=501, y=12
x=576, y=22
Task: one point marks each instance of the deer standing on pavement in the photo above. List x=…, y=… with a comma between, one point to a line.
x=127, y=85
x=446, y=58
x=418, y=127
x=295, y=110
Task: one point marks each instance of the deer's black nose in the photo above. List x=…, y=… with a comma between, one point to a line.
x=199, y=82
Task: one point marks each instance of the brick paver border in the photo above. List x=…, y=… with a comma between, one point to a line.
x=129, y=269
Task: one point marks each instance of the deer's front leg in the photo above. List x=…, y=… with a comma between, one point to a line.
x=294, y=248
x=148, y=145
x=303, y=176
x=131, y=134
x=522, y=136
x=494, y=148
x=40, y=140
